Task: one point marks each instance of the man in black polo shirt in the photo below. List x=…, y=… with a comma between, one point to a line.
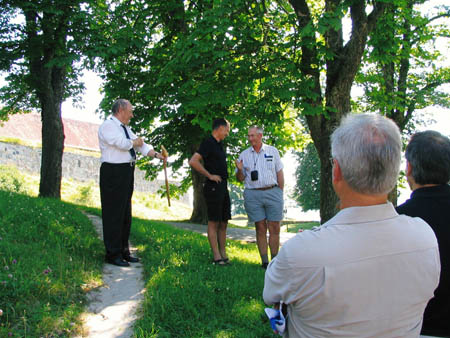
x=428, y=174
x=215, y=189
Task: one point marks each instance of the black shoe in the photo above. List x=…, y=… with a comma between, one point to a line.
x=218, y=262
x=264, y=265
x=226, y=261
x=117, y=261
x=131, y=259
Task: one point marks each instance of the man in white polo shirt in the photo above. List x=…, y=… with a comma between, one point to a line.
x=261, y=170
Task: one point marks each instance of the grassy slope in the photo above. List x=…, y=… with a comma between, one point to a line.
x=53, y=256
x=50, y=255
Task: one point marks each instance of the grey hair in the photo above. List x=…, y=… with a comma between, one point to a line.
x=428, y=153
x=260, y=130
x=368, y=149
x=120, y=103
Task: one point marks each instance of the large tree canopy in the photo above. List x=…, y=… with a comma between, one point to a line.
x=329, y=62
x=40, y=44
x=184, y=63
x=245, y=60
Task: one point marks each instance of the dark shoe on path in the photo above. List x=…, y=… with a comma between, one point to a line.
x=131, y=259
x=264, y=265
x=117, y=261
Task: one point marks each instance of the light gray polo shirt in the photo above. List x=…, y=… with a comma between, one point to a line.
x=367, y=272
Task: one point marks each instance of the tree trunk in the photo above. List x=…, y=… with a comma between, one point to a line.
x=52, y=149
x=48, y=79
x=340, y=73
x=199, y=213
x=321, y=130
x=51, y=96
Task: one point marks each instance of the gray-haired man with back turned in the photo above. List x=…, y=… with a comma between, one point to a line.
x=367, y=272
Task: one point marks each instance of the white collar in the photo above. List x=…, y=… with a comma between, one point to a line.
x=263, y=147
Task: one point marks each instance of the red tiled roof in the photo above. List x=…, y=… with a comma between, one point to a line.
x=28, y=127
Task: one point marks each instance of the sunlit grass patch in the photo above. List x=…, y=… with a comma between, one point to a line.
x=188, y=296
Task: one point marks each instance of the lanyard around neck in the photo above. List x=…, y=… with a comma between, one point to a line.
x=255, y=160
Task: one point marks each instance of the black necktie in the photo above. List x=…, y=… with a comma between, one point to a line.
x=132, y=152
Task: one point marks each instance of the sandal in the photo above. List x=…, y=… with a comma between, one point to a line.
x=226, y=261
x=218, y=262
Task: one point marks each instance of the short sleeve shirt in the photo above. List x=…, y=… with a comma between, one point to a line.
x=267, y=162
x=214, y=157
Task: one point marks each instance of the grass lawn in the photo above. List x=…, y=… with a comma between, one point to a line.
x=50, y=256
x=294, y=226
x=241, y=221
x=188, y=296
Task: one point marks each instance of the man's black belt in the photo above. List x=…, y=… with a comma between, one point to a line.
x=126, y=164
x=265, y=188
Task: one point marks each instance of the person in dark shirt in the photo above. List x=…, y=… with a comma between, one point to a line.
x=215, y=189
x=428, y=175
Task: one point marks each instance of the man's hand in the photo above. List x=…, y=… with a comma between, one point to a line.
x=240, y=167
x=138, y=142
x=239, y=164
x=215, y=178
x=194, y=162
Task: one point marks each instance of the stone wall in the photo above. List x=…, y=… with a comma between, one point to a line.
x=76, y=166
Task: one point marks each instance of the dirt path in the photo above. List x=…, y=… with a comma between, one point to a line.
x=112, y=308
x=246, y=235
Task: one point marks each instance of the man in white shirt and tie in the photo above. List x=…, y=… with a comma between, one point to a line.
x=118, y=145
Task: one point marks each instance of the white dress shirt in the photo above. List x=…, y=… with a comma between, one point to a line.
x=367, y=272
x=114, y=145
x=267, y=162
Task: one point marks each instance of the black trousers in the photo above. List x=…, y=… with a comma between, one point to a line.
x=116, y=190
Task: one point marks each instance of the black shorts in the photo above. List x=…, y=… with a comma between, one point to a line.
x=217, y=201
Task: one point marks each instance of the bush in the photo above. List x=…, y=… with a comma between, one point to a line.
x=84, y=194
x=307, y=187
x=12, y=180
